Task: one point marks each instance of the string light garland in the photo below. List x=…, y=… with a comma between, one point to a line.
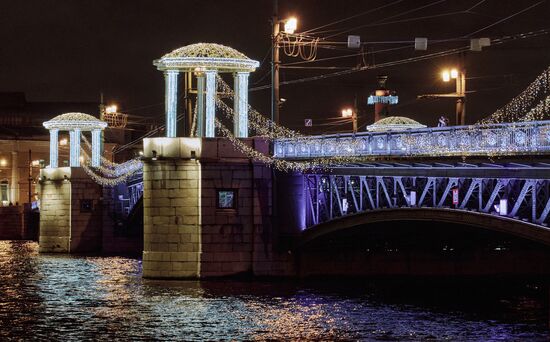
x=263, y=126
x=516, y=109
x=488, y=136
x=114, y=173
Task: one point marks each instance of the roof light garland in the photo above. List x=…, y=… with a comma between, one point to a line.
x=394, y=123
x=70, y=121
x=206, y=55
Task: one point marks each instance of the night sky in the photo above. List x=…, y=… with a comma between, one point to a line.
x=68, y=50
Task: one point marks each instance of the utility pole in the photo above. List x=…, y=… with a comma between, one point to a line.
x=275, y=63
x=461, y=99
x=354, y=114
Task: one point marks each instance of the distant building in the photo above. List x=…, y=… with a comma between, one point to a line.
x=24, y=143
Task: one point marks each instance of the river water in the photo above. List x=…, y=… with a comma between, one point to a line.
x=45, y=297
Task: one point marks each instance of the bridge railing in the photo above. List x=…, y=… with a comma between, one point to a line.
x=530, y=137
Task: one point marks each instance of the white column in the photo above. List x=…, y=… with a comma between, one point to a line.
x=54, y=148
x=171, y=102
x=200, y=104
x=96, y=147
x=75, y=147
x=240, y=105
x=210, y=128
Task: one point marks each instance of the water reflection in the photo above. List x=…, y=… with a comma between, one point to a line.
x=104, y=298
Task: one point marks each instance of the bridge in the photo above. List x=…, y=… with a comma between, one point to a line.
x=423, y=175
x=224, y=205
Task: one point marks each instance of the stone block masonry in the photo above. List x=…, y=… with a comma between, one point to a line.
x=171, y=210
x=186, y=232
x=70, y=212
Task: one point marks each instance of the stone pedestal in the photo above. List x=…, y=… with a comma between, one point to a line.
x=70, y=211
x=187, y=233
x=171, y=210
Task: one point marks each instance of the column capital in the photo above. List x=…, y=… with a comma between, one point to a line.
x=171, y=71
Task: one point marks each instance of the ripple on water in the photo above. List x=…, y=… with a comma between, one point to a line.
x=49, y=297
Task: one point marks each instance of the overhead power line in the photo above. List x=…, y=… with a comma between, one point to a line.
x=408, y=60
x=354, y=16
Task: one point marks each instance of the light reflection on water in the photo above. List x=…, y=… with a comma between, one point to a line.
x=74, y=298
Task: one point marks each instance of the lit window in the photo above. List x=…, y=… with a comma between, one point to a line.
x=227, y=199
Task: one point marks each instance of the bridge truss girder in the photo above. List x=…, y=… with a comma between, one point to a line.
x=335, y=195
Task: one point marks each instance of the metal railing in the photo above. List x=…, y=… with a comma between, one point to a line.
x=532, y=137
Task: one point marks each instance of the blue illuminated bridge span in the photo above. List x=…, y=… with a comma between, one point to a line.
x=489, y=176
x=422, y=174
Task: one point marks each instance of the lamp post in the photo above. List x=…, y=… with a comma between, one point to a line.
x=290, y=26
x=350, y=113
x=460, y=77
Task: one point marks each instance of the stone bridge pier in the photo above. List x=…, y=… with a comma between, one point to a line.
x=207, y=211
x=71, y=214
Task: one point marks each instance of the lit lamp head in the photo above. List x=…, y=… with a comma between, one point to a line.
x=446, y=75
x=111, y=109
x=291, y=24
x=454, y=73
x=347, y=113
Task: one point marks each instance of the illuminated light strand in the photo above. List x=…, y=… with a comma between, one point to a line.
x=467, y=142
x=264, y=126
x=516, y=109
x=115, y=169
x=102, y=180
x=285, y=165
x=539, y=112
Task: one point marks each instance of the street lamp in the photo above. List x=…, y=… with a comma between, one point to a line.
x=350, y=113
x=290, y=26
x=111, y=109
x=459, y=75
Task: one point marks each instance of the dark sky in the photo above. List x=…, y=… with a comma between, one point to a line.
x=70, y=50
